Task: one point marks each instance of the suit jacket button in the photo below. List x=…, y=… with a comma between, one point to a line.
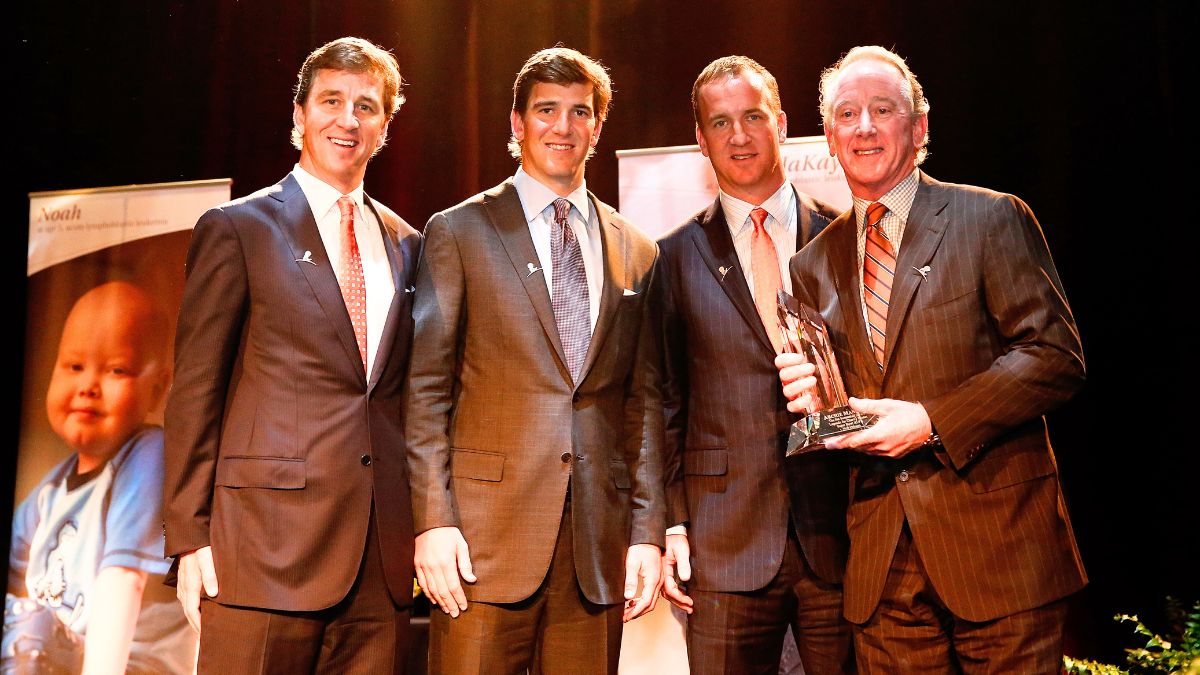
x=565, y=457
x=902, y=476
x=365, y=459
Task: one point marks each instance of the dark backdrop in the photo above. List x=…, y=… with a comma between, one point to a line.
x=1074, y=110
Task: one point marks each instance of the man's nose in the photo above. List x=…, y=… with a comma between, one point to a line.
x=347, y=118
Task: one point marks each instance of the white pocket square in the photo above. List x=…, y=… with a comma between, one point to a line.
x=629, y=291
x=410, y=289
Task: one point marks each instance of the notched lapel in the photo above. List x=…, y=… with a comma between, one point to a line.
x=300, y=230
x=847, y=277
x=927, y=221
x=715, y=245
x=616, y=279
x=503, y=207
x=397, y=265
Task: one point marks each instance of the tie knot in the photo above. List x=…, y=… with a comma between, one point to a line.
x=759, y=217
x=562, y=207
x=875, y=213
x=346, y=209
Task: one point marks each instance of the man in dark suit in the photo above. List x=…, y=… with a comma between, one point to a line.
x=286, y=496
x=950, y=323
x=754, y=562
x=535, y=423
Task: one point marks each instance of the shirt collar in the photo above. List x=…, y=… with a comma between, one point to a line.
x=898, y=200
x=321, y=195
x=535, y=196
x=778, y=205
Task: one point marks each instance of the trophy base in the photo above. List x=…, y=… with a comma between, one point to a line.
x=809, y=433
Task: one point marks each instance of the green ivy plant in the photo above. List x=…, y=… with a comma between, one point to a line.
x=1178, y=653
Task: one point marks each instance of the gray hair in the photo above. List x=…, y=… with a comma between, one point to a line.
x=910, y=87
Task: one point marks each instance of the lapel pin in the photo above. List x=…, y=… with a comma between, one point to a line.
x=723, y=270
x=307, y=258
x=924, y=272
x=532, y=268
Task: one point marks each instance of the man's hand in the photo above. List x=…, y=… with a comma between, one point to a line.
x=676, y=563
x=902, y=427
x=196, y=571
x=643, y=562
x=441, y=557
x=799, y=383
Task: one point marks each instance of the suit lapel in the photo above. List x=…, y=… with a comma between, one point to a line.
x=804, y=222
x=508, y=218
x=299, y=228
x=397, y=265
x=715, y=245
x=616, y=278
x=847, y=280
x=923, y=233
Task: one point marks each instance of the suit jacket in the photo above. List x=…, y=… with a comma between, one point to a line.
x=727, y=420
x=496, y=424
x=980, y=333
x=277, y=446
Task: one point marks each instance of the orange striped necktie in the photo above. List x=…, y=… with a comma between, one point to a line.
x=879, y=268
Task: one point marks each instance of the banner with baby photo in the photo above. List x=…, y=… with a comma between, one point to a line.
x=106, y=272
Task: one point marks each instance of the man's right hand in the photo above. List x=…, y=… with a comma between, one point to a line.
x=799, y=382
x=196, y=571
x=677, y=568
x=441, y=557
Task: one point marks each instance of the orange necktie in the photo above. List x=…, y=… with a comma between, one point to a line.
x=764, y=265
x=879, y=265
x=350, y=277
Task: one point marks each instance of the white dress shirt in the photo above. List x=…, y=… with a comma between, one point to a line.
x=377, y=271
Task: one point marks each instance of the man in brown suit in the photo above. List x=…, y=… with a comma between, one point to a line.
x=535, y=426
x=754, y=561
x=285, y=498
x=950, y=323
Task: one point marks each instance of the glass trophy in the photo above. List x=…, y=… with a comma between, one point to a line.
x=804, y=333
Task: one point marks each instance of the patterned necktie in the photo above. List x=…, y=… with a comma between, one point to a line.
x=879, y=265
x=569, y=296
x=764, y=265
x=350, y=277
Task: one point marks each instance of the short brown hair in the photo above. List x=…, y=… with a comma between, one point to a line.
x=560, y=65
x=731, y=66
x=355, y=55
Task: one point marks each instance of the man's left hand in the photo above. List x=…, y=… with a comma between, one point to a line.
x=643, y=563
x=902, y=427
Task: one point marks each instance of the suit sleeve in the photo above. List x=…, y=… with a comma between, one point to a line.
x=207, y=341
x=433, y=372
x=674, y=393
x=1041, y=364
x=644, y=425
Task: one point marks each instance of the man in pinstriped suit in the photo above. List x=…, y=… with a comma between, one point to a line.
x=961, y=551
x=754, y=561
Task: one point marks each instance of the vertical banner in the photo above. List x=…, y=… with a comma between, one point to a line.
x=106, y=271
x=659, y=188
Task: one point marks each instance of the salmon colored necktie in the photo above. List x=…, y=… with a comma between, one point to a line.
x=764, y=265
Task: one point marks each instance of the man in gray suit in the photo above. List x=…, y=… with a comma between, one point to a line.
x=754, y=562
x=535, y=424
x=950, y=323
